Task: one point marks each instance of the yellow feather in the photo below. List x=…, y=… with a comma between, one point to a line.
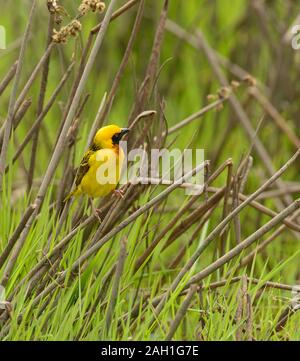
x=101, y=166
x=75, y=192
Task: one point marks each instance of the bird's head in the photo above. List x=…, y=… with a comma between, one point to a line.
x=109, y=136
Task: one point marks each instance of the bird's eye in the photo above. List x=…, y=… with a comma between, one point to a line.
x=116, y=138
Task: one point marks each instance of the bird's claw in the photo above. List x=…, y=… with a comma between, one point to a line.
x=97, y=213
x=119, y=193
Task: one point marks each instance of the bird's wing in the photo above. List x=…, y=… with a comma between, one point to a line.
x=84, y=167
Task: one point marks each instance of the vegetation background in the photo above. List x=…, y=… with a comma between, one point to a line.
x=180, y=57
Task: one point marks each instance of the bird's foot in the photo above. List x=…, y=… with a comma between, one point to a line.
x=96, y=211
x=119, y=193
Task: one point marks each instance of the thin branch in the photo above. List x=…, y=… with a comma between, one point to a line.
x=115, y=286
x=245, y=244
x=95, y=248
x=42, y=115
x=221, y=226
x=181, y=312
x=8, y=77
x=12, y=100
x=40, y=105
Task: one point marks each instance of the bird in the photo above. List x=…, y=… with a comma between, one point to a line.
x=99, y=170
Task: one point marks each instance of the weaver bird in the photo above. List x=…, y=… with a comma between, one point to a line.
x=100, y=168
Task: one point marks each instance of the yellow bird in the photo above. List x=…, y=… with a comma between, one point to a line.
x=99, y=170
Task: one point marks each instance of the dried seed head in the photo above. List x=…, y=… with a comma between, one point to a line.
x=53, y=6
x=76, y=25
x=224, y=92
x=83, y=8
x=250, y=80
x=91, y=5
x=235, y=84
x=56, y=10
x=58, y=19
x=219, y=107
x=211, y=97
x=72, y=29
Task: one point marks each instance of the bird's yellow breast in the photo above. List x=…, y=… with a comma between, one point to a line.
x=104, y=172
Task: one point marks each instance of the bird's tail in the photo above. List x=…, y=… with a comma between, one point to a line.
x=75, y=192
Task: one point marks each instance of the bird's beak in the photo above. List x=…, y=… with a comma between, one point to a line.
x=123, y=132
x=117, y=137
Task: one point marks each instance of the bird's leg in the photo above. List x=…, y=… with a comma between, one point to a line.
x=96, y=211
x=119, y=193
